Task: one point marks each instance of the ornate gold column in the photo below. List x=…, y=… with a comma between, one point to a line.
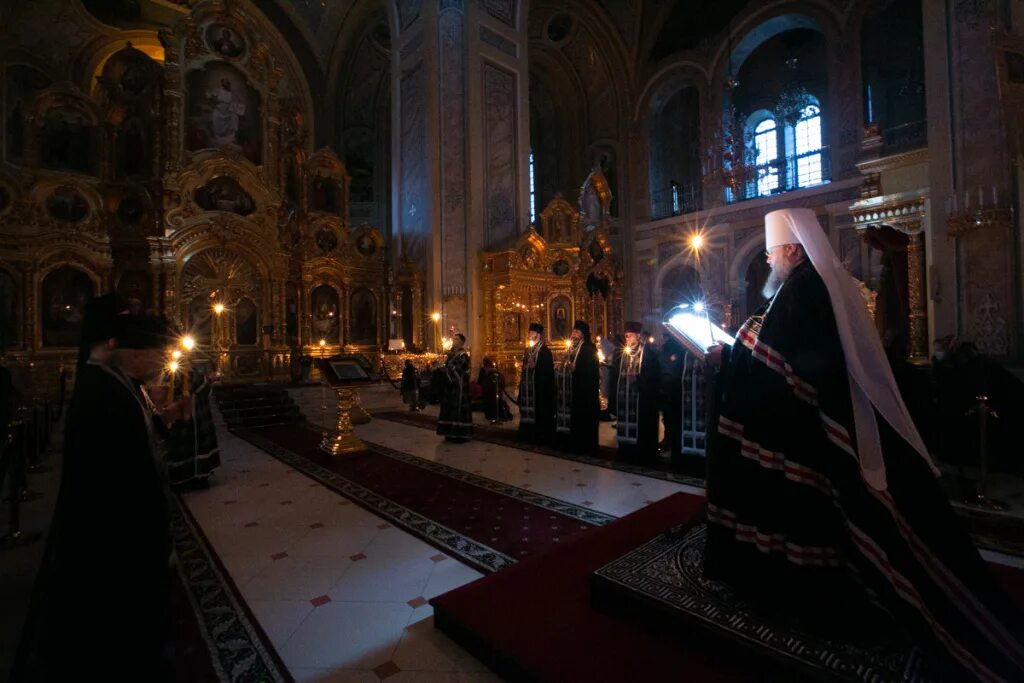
x=918, y=313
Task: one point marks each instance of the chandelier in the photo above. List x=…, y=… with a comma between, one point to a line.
x=729, y=158
x=794, y=98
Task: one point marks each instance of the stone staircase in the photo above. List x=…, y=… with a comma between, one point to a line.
x=250, y=406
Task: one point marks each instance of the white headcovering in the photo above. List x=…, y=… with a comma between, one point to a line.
x=872, y=385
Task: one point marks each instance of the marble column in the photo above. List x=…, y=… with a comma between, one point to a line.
x=460, y=148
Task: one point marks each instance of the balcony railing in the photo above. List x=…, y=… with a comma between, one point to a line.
x=785, y=174
x=905, y=137
x=676, y=200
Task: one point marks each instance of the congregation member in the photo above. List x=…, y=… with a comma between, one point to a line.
x=824, y=505
x=410, y=386
x=537, y=390
x=492, y=392
x=637, y=391
x=578, y=400
x=455, y=421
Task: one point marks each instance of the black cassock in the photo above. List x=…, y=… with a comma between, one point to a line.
x=578, y=402
x=456, y=418
x=109, y=546
x=537, y=395
x=192, y=450
x=794, y=526
x=637, y=389
x=492, y=388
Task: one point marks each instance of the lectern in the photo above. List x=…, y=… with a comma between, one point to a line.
x=343, y=374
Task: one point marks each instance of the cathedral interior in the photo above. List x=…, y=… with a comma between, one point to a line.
x=288, y=180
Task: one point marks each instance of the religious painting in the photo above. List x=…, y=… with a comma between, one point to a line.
x=66, y=204
x=132, y=149
x=365, y=245
x=225, y=194
x=136, y=287
x=224, y=40
x=23, y=84
x=324, y=304
x=246, y=323
x=200, y=320
x=326, y=240
x=10, y=312
x=560, y=323
x=560, y=267
x=69, y=141
x=291, y=313
x=560, y=228
x=131, y=209
x=363, y=309
x=224, y=111
x=595, y=251
x=510, y=327
x=64, y=294
x=325, y=196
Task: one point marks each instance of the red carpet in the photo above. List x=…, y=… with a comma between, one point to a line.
x=447, y=507
x=534, y=621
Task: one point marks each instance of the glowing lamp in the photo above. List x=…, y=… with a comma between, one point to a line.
x=531, y=343
x=435, y=316
x=188, y=343
x=696, y=241
x=323, y=343
x=175, y=354
x=698, y=307
x=173, y=366
x=218, y=308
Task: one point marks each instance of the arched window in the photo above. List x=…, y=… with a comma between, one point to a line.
x=533, y=192
x=766, y=154
x=807, y=143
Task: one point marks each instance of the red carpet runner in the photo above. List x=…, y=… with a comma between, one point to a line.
x=486, y=523
x=534, y=621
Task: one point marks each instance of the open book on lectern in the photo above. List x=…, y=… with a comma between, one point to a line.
x=690, y=325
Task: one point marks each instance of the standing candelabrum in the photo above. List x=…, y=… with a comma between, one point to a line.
x=323, y=395
x=436, y=317
x=981, y=500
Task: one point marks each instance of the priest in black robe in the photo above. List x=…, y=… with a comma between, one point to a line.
x=455, y=421
x=637, y=389
x=823, y=503
x=537, y=390
x=109, y=553
x=578, y=403
x=672, y=359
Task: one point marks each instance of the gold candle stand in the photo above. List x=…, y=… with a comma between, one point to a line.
x=343, y=440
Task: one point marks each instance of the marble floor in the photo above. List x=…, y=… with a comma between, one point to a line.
x=341, y=593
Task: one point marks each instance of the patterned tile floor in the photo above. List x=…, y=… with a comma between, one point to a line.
x=341, y=594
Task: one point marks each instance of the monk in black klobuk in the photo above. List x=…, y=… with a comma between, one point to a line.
x=455, y=421
x=537, y=390
x=578, y=403
x=637, y=389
